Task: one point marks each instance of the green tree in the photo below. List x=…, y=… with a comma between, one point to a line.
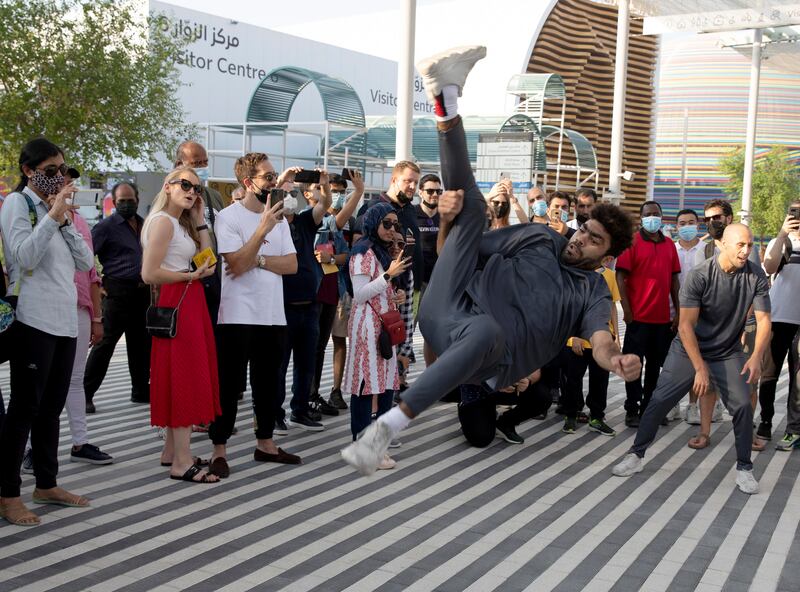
x=776, y=182
x=98, y=78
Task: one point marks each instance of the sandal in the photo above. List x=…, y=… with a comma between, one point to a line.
x=200, y=429
x=190, y=475
x=71, y=501
x=200, y=462
x=759, y=444
x=700, y=441
x=19, y=515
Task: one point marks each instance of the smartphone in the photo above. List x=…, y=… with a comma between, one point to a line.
x=205, y=255
x=86, y=197
x=346, y=174
x=408, y=250
x=276, y=195
x=306, y=176
x=794, y=212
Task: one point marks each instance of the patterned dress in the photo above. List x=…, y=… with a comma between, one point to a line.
x=364, y=361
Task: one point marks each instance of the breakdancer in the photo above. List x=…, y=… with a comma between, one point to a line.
x=500, y=303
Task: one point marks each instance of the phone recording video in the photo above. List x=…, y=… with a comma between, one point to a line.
x=307, y=176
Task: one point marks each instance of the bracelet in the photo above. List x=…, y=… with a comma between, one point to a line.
x=191, y=278
x=97, y=320
x=201, y=227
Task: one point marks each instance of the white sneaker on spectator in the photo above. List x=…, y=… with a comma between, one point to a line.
x=746, y=482
x=366, y=453
x=692, y=414
x=718, y=409
x=387, y=463
x=448, y=67
x=674, y=413
x=628, y=466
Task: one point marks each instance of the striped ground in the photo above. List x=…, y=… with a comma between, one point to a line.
x=547, y=515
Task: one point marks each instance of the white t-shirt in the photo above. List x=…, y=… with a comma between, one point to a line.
x=181, y=247
x=785, y=287
x=255, y=297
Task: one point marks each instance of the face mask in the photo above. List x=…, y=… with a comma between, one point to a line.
x=581, y=218
x=429, y=205
x=687, y=233
x=338, y=200
x=501, y=210
x=289, y=205
x=539, y=208
x=716, y=228
x=127, y=209
x=651, y=223
x=45, y=184
x=202, y=174
x=564, y=216
x=261, y=194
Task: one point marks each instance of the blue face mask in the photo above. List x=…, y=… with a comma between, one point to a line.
x=688, y=233
x=564, y=216
x=202, y=174
x=651, y=223
x=338, y=201
x=539, y=208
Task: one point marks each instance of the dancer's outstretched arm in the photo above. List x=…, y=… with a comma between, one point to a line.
x=608, y=356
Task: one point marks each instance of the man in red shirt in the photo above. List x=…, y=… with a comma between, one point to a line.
x=647, y=276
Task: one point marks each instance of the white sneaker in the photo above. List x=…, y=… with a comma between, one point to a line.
x=448, y=67
x=692, y=414
x=366, y=453
x=746, y=482
x=718, y=409
x=674, y=413
x=628, y=466
x=387, y=463
x=395, y=444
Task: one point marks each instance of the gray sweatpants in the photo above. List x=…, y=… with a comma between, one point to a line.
x=677, y=376
x=469, y=344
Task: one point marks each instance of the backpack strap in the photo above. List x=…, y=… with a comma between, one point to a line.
x=709, y=249
x=32, y=215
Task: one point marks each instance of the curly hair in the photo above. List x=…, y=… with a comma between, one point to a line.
x=618, y=225
x=247, y=165
x=723, y=204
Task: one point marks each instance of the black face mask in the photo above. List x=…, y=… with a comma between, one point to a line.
x=403, y=198
x=581, y=218
x=716, y=228
x=501, y=210
x=429, y=205
x=127, y=209
x=261, y=194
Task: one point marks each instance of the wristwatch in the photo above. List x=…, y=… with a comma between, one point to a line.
x=65, y=224
x=386, y=277
x=262, y=262
x=97, y=320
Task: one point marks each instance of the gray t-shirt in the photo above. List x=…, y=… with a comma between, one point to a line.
x=537, y=300
x=723, y=300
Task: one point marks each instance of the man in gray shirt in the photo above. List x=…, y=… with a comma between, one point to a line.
x=503, y=303
x=714, y=301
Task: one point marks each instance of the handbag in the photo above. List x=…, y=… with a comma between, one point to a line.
x=162, y=321
x=393, y=331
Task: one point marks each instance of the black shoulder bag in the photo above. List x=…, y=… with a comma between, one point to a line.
x=162, y=321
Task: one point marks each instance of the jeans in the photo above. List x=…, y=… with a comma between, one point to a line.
x=41, y=366
x=572, y=391
x=124, y=310
x=675, y=380
x=361, y=410
x=262, y=347
x=327, y=314
x=783, y=335
x=302, y=332
x=649, y=341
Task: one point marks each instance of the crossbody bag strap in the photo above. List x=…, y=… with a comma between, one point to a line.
x=154, y=295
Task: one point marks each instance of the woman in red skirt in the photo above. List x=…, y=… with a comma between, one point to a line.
x=184, y=390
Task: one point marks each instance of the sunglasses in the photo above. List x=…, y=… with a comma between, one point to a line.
x=187, y=186
x=433, y=191
x=269, y=177
x=52, y=170
x=715, y=218
x=387, y=224
x=399, y=244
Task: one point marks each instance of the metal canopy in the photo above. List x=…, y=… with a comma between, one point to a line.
x=546, y=86
x=585, y=156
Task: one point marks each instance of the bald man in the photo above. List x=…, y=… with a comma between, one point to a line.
x=714, y=301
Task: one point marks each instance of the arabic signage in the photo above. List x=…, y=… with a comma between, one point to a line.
x=776, y=15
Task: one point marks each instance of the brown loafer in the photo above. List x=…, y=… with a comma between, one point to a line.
x=282, y=457
x=219, y=467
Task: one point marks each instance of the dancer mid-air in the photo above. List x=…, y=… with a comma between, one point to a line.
x=503, y=303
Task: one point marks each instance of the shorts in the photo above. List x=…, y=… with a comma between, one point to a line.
x=339, y=328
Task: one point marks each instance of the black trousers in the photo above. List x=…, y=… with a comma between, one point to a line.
x=302, y=330
x=651, y=342
x=572, y=385
x=124, y=310
x=262, y=347
x=782, y=336
x=41, y=367
x=327, y=314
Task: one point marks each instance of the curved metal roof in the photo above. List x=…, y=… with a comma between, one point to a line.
x=275, y=95
x=547, y=86
x=585, y=156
